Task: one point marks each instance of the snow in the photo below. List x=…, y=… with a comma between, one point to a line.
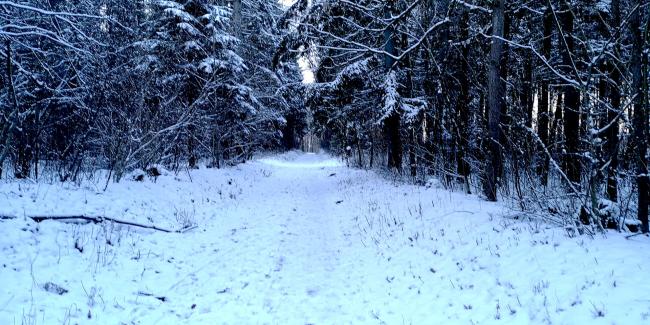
x=191, y=30
x=392, y=98
x=179, y=13
x=297, y=239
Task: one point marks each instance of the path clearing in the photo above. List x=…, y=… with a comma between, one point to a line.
x=300, y=239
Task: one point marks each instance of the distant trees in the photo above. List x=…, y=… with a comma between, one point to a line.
x=540, y=101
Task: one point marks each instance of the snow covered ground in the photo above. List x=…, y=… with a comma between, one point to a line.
x=301, y=239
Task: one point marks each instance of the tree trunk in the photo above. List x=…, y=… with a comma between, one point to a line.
x=571, y=97
x=544, y=107
x=611, y=135
x=428, y=120
x=495, y=102
x=392, y=129
x=408, y=92
x=8, y=129
x=192, y=159
x=463, y=104
x=640, y=117
x=506, y=117
x=237, y=19
x=394, y=120
x=527, y=92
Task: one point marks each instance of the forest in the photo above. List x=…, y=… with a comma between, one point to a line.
x=543, y=102
x=540, y=107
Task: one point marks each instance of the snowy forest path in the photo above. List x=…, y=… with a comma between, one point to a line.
x=282, y=248
x=310, y=270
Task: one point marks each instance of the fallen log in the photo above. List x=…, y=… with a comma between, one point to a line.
x=98, y=219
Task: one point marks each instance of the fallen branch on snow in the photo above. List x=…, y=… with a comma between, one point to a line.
x=634, y=235
x=147, y=294
x=99, y=219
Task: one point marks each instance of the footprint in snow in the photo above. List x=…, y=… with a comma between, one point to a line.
x=279, y=264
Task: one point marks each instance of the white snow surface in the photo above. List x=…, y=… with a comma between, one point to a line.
x=302, y=239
